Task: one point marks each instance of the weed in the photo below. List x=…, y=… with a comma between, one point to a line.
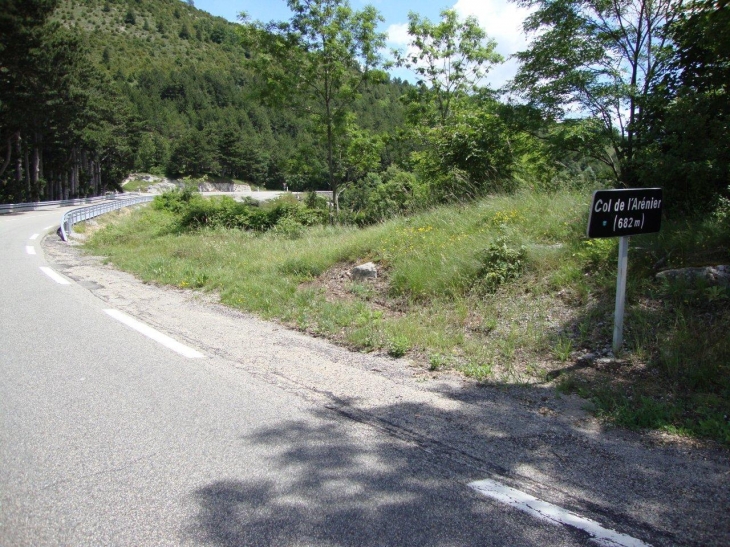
x=437, y=361
x=500, y=263
x=563, y=348
x=363, y=291
x=478, y=371
x=398, y=346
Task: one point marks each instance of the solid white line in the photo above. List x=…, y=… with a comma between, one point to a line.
x=49, y=227
x=155, y=335
x=554, y=514
x=30, y=249
x=53, y=275
x=34, y=236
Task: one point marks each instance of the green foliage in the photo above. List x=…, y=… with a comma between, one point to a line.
x=470, y=155
x=318, y=63
x=379, y=197
x=285, y=216
x=449, y=58
x=174, y=201
x=398, y=346
x=500, y=263
x=130, y=18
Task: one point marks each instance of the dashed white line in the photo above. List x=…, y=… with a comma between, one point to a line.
x=53, y=275
x=554, y=514
x=34, y=236
x=30, y=249
x=157, y=336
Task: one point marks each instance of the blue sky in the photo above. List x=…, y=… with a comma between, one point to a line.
x=502, y=21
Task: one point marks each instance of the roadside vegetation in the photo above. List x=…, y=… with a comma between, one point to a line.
x=505, y=289
x=472, y=201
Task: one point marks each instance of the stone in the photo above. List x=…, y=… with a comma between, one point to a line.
x=364, y=271
x=711, y=275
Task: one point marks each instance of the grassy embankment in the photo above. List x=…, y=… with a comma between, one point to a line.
x=505, y=290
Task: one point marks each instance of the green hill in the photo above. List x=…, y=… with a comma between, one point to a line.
x=159, y=86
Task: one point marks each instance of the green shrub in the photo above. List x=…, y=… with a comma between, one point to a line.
x=500, y=263
x=379, y=197
x=175, y=201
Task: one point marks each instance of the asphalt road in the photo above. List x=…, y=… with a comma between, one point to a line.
x=108, y=437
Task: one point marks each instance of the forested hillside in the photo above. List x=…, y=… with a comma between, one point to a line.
x=95, y=89
x=633, y=94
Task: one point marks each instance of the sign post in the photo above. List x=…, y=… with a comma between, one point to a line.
x=623, y=213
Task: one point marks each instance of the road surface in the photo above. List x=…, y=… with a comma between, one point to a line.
x=136, y=415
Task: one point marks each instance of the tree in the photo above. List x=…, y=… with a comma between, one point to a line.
x=194, y=154
x=599, y=59
x=184, y=32
x=688, y=119
x=22, y=31
x=450, y=58
x=465, y=147
x=130, y=18
x=67, y=127
x=318, y=63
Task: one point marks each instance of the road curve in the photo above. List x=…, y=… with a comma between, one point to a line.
x=110, y=435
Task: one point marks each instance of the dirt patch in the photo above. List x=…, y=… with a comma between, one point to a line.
x=337, y=284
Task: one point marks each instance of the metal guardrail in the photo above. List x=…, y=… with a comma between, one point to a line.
x=19, y=207
x=84, y=213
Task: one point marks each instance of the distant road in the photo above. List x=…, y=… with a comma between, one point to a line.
x=132, y=415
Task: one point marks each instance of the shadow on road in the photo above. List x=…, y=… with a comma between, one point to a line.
x=349, y=486
x=339, y=486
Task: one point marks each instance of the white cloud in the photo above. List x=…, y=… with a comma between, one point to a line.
x=503, y=22
x=398, y=35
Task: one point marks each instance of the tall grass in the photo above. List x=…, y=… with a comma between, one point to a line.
x=506, y=289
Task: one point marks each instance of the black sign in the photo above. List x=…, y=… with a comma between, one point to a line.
x=616, y=213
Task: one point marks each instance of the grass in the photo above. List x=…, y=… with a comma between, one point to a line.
x=505, y=290
x=137, y=185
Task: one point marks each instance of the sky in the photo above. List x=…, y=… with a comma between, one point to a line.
x=501, y=19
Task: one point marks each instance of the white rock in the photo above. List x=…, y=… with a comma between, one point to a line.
x=365, y=271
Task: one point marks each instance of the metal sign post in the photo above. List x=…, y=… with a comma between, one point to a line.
x=618, y=321
x=623, y=213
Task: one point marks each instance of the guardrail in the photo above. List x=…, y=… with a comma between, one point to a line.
x=18, y=207
x=84, y=213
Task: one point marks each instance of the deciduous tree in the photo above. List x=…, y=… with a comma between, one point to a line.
x=450, y=59
x=319, y=63
x=599, y=59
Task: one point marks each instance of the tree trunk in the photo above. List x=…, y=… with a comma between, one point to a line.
x=74, y=174
x=9, y=153
x=29, y=189
x=34, y=180
x=19, y=163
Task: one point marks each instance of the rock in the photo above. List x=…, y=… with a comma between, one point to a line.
x=364, y=271
x=223, y=187
x=712, y=275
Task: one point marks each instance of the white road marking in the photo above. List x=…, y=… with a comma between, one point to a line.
x=155, y=335
x=554, y=514
x=30, y=249
x=49, y=227
x=53, y=275
x=34, y=236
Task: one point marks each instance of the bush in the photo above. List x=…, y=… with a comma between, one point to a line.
x=223, y=212
x=379, y=197
x=174, y=201
x=500, y=263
